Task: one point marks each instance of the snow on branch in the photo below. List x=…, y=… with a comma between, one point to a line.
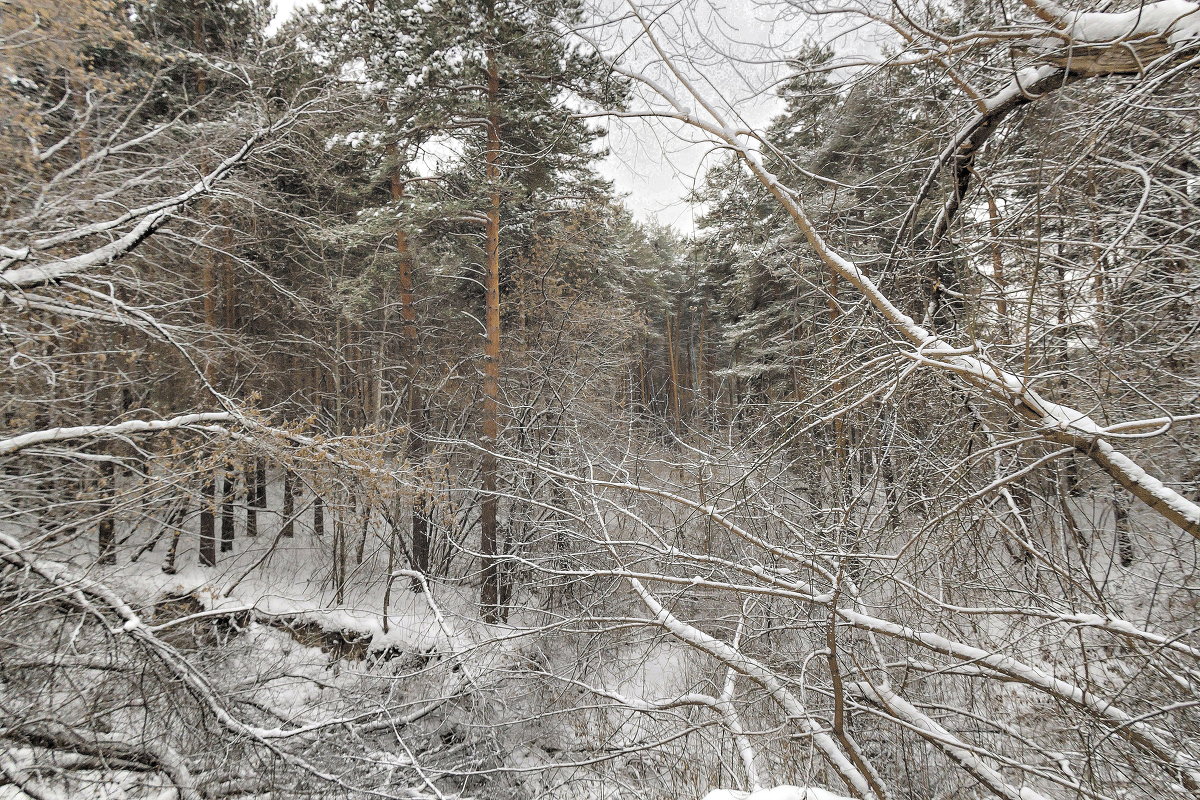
x=15, y=444
x=1109, y=43
x=145, y=220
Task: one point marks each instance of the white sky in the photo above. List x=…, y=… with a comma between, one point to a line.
x=657, y=165
x=737, y=44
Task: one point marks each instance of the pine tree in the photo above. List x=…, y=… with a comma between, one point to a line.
x=496, y=79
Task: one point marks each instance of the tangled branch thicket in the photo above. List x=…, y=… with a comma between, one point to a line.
x=360, y=441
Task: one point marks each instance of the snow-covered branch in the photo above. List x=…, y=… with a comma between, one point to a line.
x=145, y=220
x=15, y=444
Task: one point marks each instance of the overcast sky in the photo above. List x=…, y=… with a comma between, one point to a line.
x=651, y=164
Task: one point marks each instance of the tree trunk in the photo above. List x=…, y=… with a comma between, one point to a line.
x=362, y=541
x=691, y=378
x=336, y=372
x=250, y=479
x=207, y=274
x=339, y=561
x=208, y=539
x=289, y=506
x=704, y=379
x=229, y=290
x=643, y=402
x=672, y=368
x=1125, y=551
x=416, y=408
x=491, y=591
x=260, y=483
x=106, y=535
x=228, y=487
x=176, y=526
x=208, y=500
x=389, y=575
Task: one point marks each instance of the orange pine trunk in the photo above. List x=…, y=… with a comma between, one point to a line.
x=491, y=591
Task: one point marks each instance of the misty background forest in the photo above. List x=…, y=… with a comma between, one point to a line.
x=598, y=399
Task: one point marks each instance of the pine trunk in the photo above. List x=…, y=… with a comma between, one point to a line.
x=416, y=409
x=228, y=289
x=289, y=506
x=339, y=561
x=106, y=535
x=260, y=484
x=672, y=370
x=491, y=591
x=208, y=539
x=228, y=487
x=250, y=478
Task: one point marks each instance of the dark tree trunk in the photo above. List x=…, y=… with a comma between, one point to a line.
x=250, y=477
x=339, y=561
x=260, y=483
x=176, y=526
x=289, y=505
x=106, y=535
x=420, y=538
x=208, y=539
x=416, y=409
x=1125, y=551
x=227, y=498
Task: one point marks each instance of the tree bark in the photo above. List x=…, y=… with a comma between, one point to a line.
x=228, y=487
x=490, y=590
x=250, y=478
x=208, y=539
x=260, y=483
x=289, y=506
x=339, y=560
x=176, y=526
x=672, y=370
x=417, y=447
x=106, y=535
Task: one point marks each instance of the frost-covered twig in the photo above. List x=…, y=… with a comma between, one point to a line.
x=1056, y=423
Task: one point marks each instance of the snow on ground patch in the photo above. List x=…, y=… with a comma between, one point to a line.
x=776, y=793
